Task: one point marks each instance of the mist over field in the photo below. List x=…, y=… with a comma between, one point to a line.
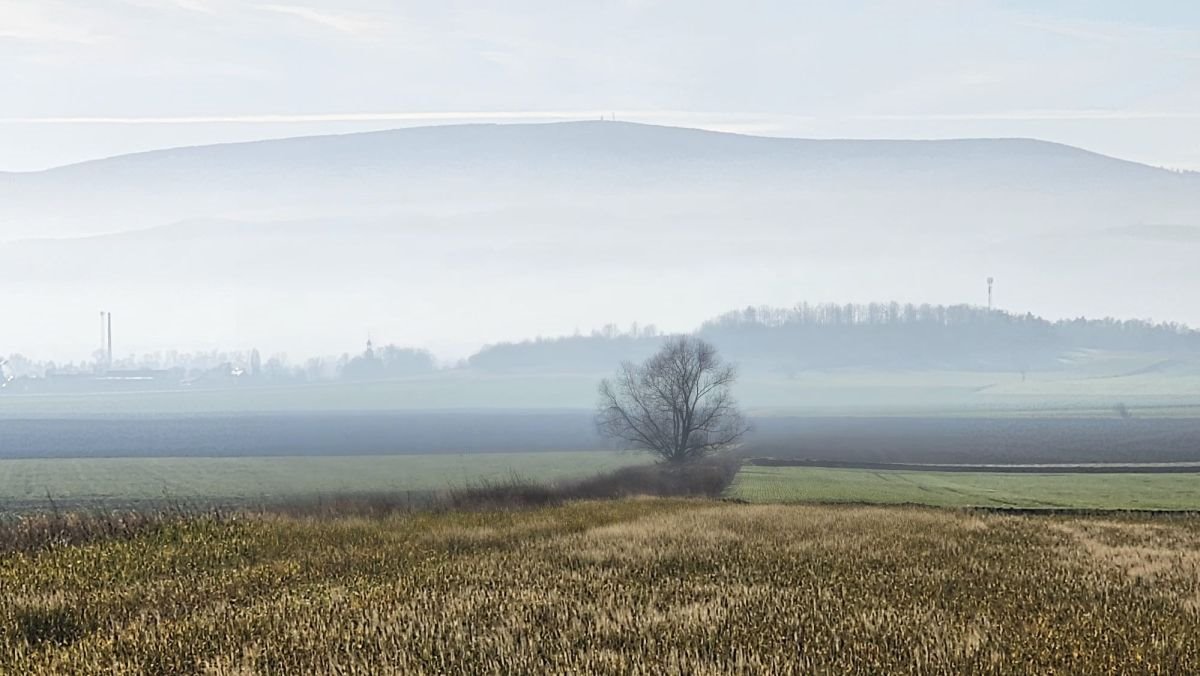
x=496, y=272
x=450, y=238
x=626, y=336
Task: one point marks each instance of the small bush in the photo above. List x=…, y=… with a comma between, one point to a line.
x=513, y=492
x=707, y=478
x=366, y=505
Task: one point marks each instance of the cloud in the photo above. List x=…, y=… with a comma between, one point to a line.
x=37, y=23
x=343, y=23
x=194, y=6
x=1036, y=115
x=1173, y=41
x=197, y=6
x=1071, y=30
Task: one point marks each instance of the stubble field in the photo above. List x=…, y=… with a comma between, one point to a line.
x=632, y=586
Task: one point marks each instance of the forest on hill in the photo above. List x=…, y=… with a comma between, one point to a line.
x=875, y=335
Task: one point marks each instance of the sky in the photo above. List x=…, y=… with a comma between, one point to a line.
x=87, y=79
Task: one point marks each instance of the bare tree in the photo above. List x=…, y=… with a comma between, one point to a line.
x=677, y=404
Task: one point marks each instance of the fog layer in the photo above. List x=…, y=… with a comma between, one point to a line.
x=451, y=237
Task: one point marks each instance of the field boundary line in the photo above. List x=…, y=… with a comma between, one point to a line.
x=1079, y=468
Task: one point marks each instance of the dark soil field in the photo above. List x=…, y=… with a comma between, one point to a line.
x=855, y=440
x=291, y=434
x=1016, y=441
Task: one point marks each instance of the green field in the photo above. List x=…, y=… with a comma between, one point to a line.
x=131, y=481
x=25, y=483
x=968, y=489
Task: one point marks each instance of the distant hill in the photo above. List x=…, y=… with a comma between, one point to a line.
x=447, y=235
x=420, y=167
x=877, y=336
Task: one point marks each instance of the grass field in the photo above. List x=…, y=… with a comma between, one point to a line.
x=619, y=587
x=26, y=483
x=963, y=489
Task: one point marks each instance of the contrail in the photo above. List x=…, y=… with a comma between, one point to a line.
x=1036, y=115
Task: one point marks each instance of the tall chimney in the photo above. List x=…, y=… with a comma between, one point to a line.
x=110, y=340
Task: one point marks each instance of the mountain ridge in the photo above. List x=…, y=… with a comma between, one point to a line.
x=443, y=130
x=440, y=167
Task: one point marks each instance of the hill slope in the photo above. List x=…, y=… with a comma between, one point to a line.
x=396, y=168
x=449, y=237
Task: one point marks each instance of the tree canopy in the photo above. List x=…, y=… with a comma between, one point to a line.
x=677, y=404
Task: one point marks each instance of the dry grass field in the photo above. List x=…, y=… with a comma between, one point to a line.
x=620, y=587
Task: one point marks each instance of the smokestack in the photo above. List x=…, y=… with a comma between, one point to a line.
x=109, y=340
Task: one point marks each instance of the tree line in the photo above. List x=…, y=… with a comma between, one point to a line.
x=881, y=335
x=781, y=340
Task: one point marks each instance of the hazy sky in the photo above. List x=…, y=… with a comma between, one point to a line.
x=84, y=79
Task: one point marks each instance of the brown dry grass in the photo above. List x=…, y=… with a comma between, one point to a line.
x=629, y=586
